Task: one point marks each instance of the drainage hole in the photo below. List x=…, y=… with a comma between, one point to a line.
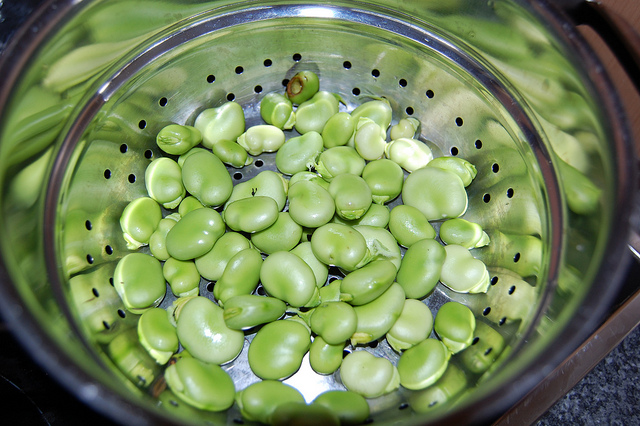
x=88, y=225
x=211, y=78
x=148, y=154
x=261, y=291
x=239, y=70
x=111, y=281
x=237, y=175
x=454, y=151
x=258, y=89
x=297, y=57
x=345, y=353
x=89, y=259
x=108, y=249
x=132, y=178
x=409, y=110
x=124, y=148
x=121, y=313
x=106, y=325
x=429, y=93
x=486, y=311
x=95, y=292
x=495, y=168
x=210, y=287
x=403, y=406
x=107, y=174
x=267, y=62
x=502, y=321
x=510, y=193
x=238, y=421
x=475, y=340
x=162, y=102
x=494, y=280
x=516, y=258
x=142, y=124
x=486, y=198
x=459, y=121
x=231, y=97
x=375, y=73
x=402, y=82
x=355, y=91
x=259, y=163
x=512, y=289
x=373, y=344
x=478, y=144
x=488, y=351
x=346, y=65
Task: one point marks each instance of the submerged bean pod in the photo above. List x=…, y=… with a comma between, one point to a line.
x=350, y=407
x=139, y=220
x=163, y=181
x=293, y=413
x=223, y=122
x=261, y=138
x=368, y=375
x=139, y=282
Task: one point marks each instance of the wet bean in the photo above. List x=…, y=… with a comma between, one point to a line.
x=212, y=264
x=377, y=317
x=461, y=167
x=224, y=122
x=261, y=138
x=187, y=204
x=310, y=205
x=410, y=154
x=339, y=160
x=412, y=326
x=206, y=178
x=204, y=334
x=287, y=277
x=277, y=110
x=158, y=240
x=422, y=365
x=231, y=153
x=421, y=268
x=338, y=130
x=350, y=407
x=302, y=87
x=377, y=215
x=251, y=214
x=139, y=282
x=370, y=376
x=240, y=276
x=283, y=235
x=369, y=139
x=299, y=153
x=258, y=400
x=351, y=195
x=182, y=276
x=367, y=283
x=463, y=273
x=157, y=335
x=339, y=245
x=314, y=113
x=246, y=311
x=464, y=233
x=266, y=183
x=385, y=179
x=455, y=326
x=195, y=234
x=409, y=225
x=377, y=110
x=325, y=358
x=405, y=128
x=277, y=349
x=177, y=139
x=163, y=180
x=437, y=193
x=139, y=220
x=320, y=270
x=334, y=321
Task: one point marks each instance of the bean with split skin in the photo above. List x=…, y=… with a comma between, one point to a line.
x=224, y=122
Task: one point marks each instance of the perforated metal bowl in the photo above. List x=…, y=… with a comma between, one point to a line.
x=506, y=85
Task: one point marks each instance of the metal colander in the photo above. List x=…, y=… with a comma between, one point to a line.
x=488, y=81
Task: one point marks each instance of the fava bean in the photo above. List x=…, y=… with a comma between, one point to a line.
x=370, y=376
x=367, y=283
x=423, y=364
x=212, y=264
x=351, y=195
x=163, y=180
x=369, y=139
x=223, y=122
x=409, y=225
x=266, y=183
x=139, y=220
x=157, y=335
x=339, y=245
x=455, y=325
x=377, y=317
x=449, y=386
x=479, y=357
x=277, y=349
x=308, y=176
x=292, y=413
x=258, y=400
x=463, y=273
x=201, y=385
x=187, y=204
x=437, y=193
x=251, y=214
x=246, y=311
x=320, y=270
x=338, y=130
x=410, y=154
x=176, y=139
x=461, y=167
x=231, y=153
x=377, y=215
x=240, y=276
x=385, y=179
x=158, y=240
x=204, y=334
x=283, y=235
x=339, y=160
x=182, y=276
x=464, y=233
x=405, y=128
x=380, y=245
x=350, y=407
x=310, y=205
x=325, y=358
x=377, y=110
x=421, y=268
x=277, y=110
x=287, y=277
x=412, y=326
x=302, y=87
x=299, y=153
x=139, y=282
x=314, y=113
x=334, y=321
x=206, y=178
x=261, y=138
x=195, y=234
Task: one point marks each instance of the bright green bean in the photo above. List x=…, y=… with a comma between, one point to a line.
x=377, y=110
x=437, y=193
x=421, y=268
x=405, y=128
x=158, y=240
x=339, y=245
x=212, y=264
x=368, y=375
x=277, y=110
x=266, y=183
x=409, y=225
x=320, y=270
x=461, y=167
x=310, y=205
x=367, y=283
x=339, y=160
x=385, y=179
x=258, y=400
x=351, y=408
x=231, y=153
x=462, y=232
x=246, y=311
x=223, y=122
x=378, y=215
x=302, y=87
x=251, y=214
x=292, y=413
x=240, y=276
x=377, y=317
x=369, y=139
x=287, y=277
x=412, y=326
x=380, y=245
x=283, y=235
x=195, y=234
x=157, y=335
x=261, y=138
x=299, y=153
x=313, y=114
x=324, y=357
x=463, y=273
x=139, y=282
x=351, y=195
x=410, y=154
x=423, y=364
x=206, y=178
x=338, y=130
x=139, y=220
x=455, y=326
x=182, y=276
x=334, y=321
x=177, y=139
x=187, y=204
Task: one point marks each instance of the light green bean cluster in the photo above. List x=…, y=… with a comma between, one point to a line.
x=327, y=205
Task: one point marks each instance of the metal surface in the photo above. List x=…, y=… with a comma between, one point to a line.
x=476, y=96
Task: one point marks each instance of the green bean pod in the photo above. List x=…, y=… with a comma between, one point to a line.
x=200, y=384
x=464, y=233
x=334, y=321
x=338, y=130
x=422, y=365
x=367, y=283
x=462, y=272
x=313, y=114
x=182, y=276
x=287, y=277
x=377, y=317
x=368, y=375
x=157, y=335
x=204, y=334
x=283, y=235
x=324, y=357
x=261, y=138
x=224, y=122
x=139, y=220
x=176, y=139
x=320, y=270
x=421, y=268
x=461, y=167
x=437, y=193
x=277, y=349
x=243, y=312
x=409, y=225
x=139, y=282
x=339, y=160
x=258, y=400
x=212, y=264
x=350, y=407
x=240, y=276
x=369, y=139
x=299, y=153
x=455, y=326
x=410, y=154
x=385, y=179
x=231, y=153
x=158, y=240
x=195, y=234
x=339, y=245
x=163, y=180
x=302, y=87
x=266, y=183
x=310, y=205
x=351, y=195
x=277, y=110
x=206, y=178
x=412, y=326
x=251, y=214
x=405, y=128
x=377, y=110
